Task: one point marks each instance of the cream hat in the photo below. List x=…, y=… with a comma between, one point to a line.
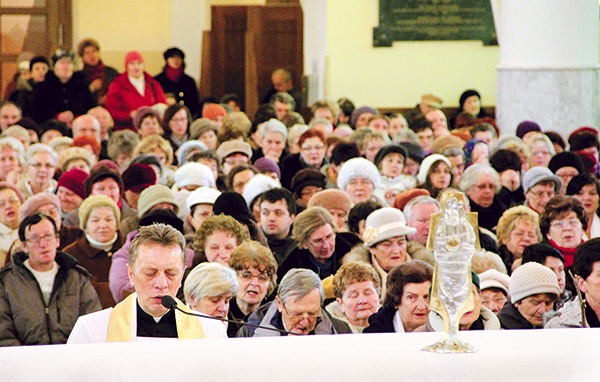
x=385, y=223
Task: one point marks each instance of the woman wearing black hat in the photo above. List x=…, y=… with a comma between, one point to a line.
x=175, y=82
x=470, y=102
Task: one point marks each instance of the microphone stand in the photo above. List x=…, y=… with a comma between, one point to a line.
x=170, y=303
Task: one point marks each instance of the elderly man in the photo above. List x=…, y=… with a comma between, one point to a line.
x=273, y=137
x=539, y=186
x=10, y=114
x=297, y=308
x=281, y=80
x=533, y=289
x=86, y=125
x=283, y=103
x=43, y=291
x=587, y=269
x=155, y=269
x=418, y=215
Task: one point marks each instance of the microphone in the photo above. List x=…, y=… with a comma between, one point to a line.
x=170, y=303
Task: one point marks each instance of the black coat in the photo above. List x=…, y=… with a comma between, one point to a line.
x=489, y=216
x=510, y=318
x=382, y=321
x=184, y=90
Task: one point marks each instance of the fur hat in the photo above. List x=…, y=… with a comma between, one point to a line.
x=264, y=165
x=154, y=195
x=202, y=195
x=566, y=159
x=258, y=184
x=539, y=174
x=133, y=55
x=100, y=174
x=227, y=148
x=385, y=223
x=200, y=126
x=494, y=279
x=331, y=198
x=503, y=160
x=187, y=147
x=213, y=110
x=390, y=149
x=193, y=174
x=526, y=127
x=426, y=165
x=307, y=177
x=138, y=177
x=233, y=204
x=583, y=141
x=532, y=278
x=93, y=201
x=34, y=202
x=73, y=180
x=355, y=167
x=142, y=112
x=75, y=153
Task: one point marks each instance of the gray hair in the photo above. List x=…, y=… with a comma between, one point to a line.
x=283, y=98
x=16, y=145
x=422, y=199
x=274, y=126
x=159, y=234
x=472, y=173
x=406, y=135
x=295, y=132
x=320, y=121
x=453, y=152
x=40, y=148
x=297, y=283
x=209, y=280
x=543, y=139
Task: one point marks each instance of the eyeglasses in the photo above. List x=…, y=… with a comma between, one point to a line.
x=12, y=200
x=36, y=239
x=248, y=276
x=539, y=194
x=573, y=222
x=297, y=316
x=313, y=148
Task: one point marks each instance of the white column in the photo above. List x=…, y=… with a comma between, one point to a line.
x=548, y=69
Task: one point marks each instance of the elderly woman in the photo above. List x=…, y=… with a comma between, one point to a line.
x=160, y=148
x=563, y=223
x=541, y=150
x=338, y=204
x=13, y=158
x=481, y=183
x=121, y=146
x=406, y=304
x=359, y=178
x=256, y=270
x=517, y=228
x=99, y=218
x=312, y=154
x=176, y=123
x=41, y=165
x=470, y=103
x=357, y=287
x=209, y=289
x=216, y=238
x=131, y=90
x=319, y=248
x=147, y=122
x=76, y=157
x=586, y=189
x=435, y=174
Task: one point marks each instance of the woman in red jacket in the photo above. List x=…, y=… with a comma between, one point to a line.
x=131, y=90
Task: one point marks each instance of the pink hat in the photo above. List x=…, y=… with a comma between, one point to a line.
x=213, y=110
x=134, y=55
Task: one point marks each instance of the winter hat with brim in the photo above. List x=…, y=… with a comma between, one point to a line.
x=540, y=174
x=530, y=279
x=390, y=149
x=202, y=195
x=233, y=146
x=95, y=201
x=187, y=147
x=307, y=177
x=154, y=195
x=358, y=167
x=566, y=159
x=383, y=224
x=494, y=279
x=427, y=163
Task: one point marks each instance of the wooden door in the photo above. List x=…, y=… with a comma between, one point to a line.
x=36, y=26
x=246, y=43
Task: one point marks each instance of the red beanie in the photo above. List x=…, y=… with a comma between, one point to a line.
x=73, y=180
x=213, y=110
x=134, y=55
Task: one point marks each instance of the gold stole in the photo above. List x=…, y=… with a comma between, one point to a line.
x=122, y=325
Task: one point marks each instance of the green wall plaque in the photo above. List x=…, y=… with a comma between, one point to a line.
x=422, y=20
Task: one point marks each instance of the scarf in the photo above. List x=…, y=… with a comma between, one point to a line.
x=103, y=246
x=173, y=74
x=568, y=253
x=122, y=324
x=97, y=72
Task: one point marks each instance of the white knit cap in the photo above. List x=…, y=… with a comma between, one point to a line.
x=427, y=163
x=195, y=174
x=494, y=279
x=383, y=224
x=356, y=167
x=532, y=278
x=202, y=195
x=258, y=184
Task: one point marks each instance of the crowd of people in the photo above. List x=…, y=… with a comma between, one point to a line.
x=120, y=189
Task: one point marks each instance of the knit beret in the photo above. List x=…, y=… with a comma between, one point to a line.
x=566, y=159
x=331, y=198
x=494, y=279
x=14, y=188
x=265, y=165
x=193, y=174
x=358, y=167
x=143, y=112
x=404, y=197
x=154, y=195
x=94, y=201
x=361, y=110
x=526, y=127
x=390, y=149
x=137, y=177
x=227, y=148
x=213, y=110
x=530, y=279
x=200, y=126
x=257, y=185
x=73, y=181
x=33, y=203
x=133, y=55
x=307, y=177
x=100, y=174
x=503, y=160
x=583, y=129
x=427, y=163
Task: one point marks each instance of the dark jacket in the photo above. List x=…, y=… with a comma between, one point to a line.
x=268, y=315
x=281, y=248
x=511, y=198
x=184, y=89
x=488, y=216
x=52, y=97
x=382, y=321
x=290, y=167
x=510, y=318
x=24, y=317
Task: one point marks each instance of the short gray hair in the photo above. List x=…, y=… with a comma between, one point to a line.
x=40, y=148
x=16, y=145
x=297, y=283
x=209, y=280
x=159, y=234
x=472, y=173
x=320, y=121
x=283, y=97
x=274, y=126
x=422, y=199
